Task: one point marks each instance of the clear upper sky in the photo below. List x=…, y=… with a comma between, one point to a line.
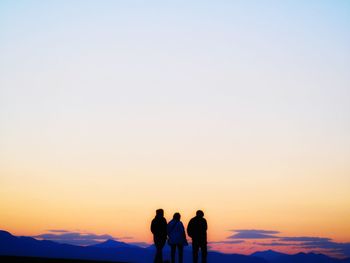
x=111, y=109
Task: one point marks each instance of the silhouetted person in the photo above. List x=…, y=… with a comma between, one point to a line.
x=197, y=230
x=177, y=237
x=159, y=230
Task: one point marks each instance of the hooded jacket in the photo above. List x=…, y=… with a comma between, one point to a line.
x=176, y=233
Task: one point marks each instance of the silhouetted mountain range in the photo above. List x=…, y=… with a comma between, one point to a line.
x=110, y=243
x=269, y=255
x=112, y=250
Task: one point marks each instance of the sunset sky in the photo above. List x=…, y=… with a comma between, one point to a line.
x=112, y=109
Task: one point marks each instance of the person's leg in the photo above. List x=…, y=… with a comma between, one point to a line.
x=195, y=248
x=161, y=253
x=173, y=251
x=204, y=252
x=159, y=244
x=158, y=255
x=181, y=253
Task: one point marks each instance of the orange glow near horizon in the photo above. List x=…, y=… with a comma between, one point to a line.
x=81, y=203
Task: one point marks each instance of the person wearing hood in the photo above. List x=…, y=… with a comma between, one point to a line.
x=197, y=230
x=159, y=231
x=177, y=237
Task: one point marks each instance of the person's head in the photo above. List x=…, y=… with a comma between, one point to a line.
x=199, y=213
x=177, y=216
x=160, y=212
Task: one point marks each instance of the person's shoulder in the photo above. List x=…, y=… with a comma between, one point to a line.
x=193, y=220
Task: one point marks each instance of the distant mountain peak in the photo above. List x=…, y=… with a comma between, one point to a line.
x=5, y=233
x=269, y=251
x=111, y=240
x=268, y=254
x=111, y=243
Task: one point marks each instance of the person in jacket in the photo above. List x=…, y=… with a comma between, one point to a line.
x=159, y=231
x=197, y=230
x=177, y=237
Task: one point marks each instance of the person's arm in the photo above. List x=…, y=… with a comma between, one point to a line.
x=183, y=230
x=190, y=228
x=168, y=228
x=165, y=226
x=153, y=227
x=205, y=225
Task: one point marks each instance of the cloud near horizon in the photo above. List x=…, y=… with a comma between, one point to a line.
x=317, y=244
x=305, y=239
x=227, y=242
x=74, y=238
x=253, y=234
x=272, y=238
x=58, y=230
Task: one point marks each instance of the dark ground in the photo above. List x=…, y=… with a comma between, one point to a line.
x=10, y=259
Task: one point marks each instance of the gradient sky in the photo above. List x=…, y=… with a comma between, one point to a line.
x=112, y=109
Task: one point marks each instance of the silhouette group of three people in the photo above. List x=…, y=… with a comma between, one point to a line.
x=174, y=232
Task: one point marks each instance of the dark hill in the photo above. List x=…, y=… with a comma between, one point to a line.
x=31, y=250
x=14, y=259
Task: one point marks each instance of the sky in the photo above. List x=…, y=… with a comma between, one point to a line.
x=112, y=109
